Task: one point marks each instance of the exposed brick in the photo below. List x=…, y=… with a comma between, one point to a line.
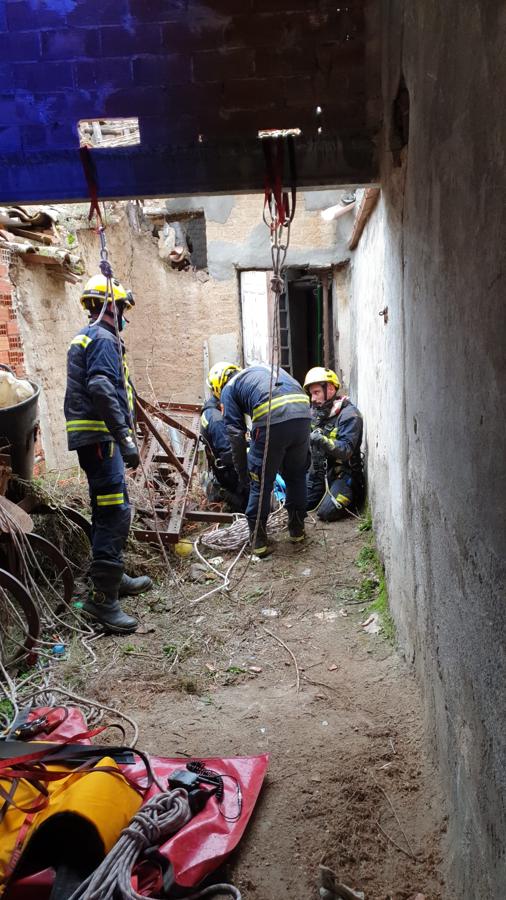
x=170, y=69
x=211, y=65
x=3, y=329
x=70, y=43
x=97, y=73
x=118, y=41
x=158, y=10
x=21, y=45
x=50, y=76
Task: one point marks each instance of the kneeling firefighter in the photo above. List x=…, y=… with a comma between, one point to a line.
x=335, y=479
x=99, y=413
x=213, y=432
x=245, y=393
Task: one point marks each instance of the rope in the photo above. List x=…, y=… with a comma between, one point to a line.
x=233, y=536
x=156, y=821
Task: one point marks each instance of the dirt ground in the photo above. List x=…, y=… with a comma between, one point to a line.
x=349, y=784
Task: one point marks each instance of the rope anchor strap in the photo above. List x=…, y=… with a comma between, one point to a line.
x=279, y=204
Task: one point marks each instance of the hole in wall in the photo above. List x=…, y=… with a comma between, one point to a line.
x=400, y=121
x=102, y=133
x=279, y=132
x=183, y=241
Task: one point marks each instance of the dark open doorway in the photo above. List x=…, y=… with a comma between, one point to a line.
x=305, y=318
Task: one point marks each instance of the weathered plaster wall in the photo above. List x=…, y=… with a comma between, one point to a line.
x=177, y=313
x=431, y=384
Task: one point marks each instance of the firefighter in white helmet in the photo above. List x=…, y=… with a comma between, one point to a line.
x=335, y=479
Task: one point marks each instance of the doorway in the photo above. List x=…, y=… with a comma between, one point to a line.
x=305, y=319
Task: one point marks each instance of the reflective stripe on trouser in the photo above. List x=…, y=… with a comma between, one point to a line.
x=287, y=453
x=329, y=499
x=110, y=507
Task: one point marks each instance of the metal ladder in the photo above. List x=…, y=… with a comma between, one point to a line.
x=285, y=342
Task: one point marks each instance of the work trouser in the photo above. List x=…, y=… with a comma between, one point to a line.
x=329, y=498
x=110, y=507
x=288, y=454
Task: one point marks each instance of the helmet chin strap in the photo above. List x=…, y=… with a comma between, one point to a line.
x=327, y=403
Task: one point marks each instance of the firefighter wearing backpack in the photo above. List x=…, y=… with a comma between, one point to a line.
x=335, y=478
x=262, y=394
x=99, y=412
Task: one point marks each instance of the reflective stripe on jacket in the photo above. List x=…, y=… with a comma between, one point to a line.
x=342, y=430
x=94, y=353
x=247, y=394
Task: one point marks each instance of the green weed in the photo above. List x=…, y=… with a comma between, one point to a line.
x=366, y=523
x=367, y=557
x=373, y=589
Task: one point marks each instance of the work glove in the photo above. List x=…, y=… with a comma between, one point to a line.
x=320, y=442
x=129, y=452
x=317, y=439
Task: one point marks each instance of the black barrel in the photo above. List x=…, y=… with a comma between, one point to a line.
x=18, y=431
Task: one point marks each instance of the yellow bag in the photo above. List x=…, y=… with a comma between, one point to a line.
x=103, y=798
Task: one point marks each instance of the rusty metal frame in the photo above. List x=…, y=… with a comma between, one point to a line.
x=158, y=455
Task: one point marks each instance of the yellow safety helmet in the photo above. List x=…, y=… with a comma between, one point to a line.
x=218, y=376
x=319, y=375
x=97, y=289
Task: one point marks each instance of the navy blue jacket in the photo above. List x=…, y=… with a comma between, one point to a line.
x=214, y=432
x=97, y=407
x=338, y=434
x=247, y=393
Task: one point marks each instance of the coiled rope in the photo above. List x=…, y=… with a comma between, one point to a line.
x=156, y=821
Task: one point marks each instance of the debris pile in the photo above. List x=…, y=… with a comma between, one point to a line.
x=40, y=236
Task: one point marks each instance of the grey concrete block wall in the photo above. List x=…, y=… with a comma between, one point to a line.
x=203, y=79
x=432, y=386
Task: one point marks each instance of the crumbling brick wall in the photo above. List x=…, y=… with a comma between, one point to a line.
x=176, y=313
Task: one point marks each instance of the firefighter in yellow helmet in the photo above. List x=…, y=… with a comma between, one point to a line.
x=335, y=478
x=99, y=413
x=271, y=396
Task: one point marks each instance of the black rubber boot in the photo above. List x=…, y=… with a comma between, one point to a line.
x=103, y=605
x=296, y=526
x=130, y=587
x=259, y=545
